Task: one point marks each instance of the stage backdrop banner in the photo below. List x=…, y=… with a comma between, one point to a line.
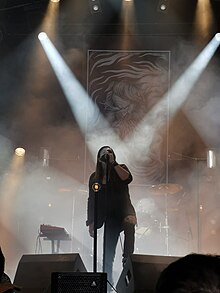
x=130, y=90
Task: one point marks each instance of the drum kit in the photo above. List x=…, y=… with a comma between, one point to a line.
x=146, y=208
x=166, y=189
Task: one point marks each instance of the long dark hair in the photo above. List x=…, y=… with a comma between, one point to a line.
x=99, y=169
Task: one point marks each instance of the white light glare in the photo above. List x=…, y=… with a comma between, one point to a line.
x=217, y=36
x=42, y=36
x=20, y=152
x=95, y=7
x=211, y=159
x=163, y=7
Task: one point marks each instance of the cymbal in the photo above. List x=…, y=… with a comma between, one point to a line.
x=169, y=188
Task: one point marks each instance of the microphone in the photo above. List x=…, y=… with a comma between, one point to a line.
x=104, y=158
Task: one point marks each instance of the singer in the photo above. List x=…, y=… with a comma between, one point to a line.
x=114, y=207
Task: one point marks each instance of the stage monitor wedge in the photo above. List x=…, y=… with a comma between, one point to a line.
x=34, y=270
x=141, y=272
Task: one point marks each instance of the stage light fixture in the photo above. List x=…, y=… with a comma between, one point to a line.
x=55, y=1
x=45, y=156
x=95, y=6
x=217, y=36
x=42, y=36
x=20, y=152
x=211, y=159
x=163, y=5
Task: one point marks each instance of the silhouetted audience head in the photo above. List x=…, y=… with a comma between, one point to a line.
x=192, y=273
x=5, y=283
x=2, y=263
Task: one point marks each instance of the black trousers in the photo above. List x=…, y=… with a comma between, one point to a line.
x=112, y=230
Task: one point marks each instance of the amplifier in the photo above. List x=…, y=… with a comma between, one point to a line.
x=78, y=282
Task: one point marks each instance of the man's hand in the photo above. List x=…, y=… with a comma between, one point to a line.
x=111, y=157
x=131, y=220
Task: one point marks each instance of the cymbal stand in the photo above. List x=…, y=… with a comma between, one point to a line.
x=166, y=226
x=199, y=207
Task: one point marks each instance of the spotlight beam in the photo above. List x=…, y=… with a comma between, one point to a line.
x=91, y=121
x=9, y=187
x=87, y=114
x=77, y=97
x=155, y=119
x=185, y=83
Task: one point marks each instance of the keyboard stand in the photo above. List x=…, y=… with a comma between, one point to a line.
x=55, y=243
x=53, y=246
x=54, y=234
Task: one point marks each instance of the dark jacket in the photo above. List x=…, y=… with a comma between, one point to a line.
x=113, y=199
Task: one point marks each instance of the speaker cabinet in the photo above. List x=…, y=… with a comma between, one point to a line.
x=66, y=282
x=141, y=272
x=34, y=270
